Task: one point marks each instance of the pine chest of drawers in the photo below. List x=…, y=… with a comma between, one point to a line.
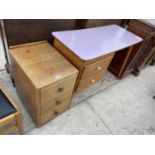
x=44, y=80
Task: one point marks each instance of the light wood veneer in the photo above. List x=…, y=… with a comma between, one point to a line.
x=44, y=79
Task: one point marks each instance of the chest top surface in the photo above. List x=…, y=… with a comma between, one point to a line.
x=42, y=63
x=91, y=43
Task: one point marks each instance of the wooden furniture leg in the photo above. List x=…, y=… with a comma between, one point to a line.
x=124, y=63
x=19, y=122
x=10, y=114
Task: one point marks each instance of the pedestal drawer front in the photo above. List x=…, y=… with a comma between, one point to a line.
x=55, y=111
x=96, y=67
x=57, y=89
x=84, y=83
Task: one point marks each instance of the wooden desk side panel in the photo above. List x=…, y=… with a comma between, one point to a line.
x=25, y=89
x=122, y=60
x=117, y=62
x=132, y=61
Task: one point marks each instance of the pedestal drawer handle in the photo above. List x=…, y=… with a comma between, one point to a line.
x=92, y=80
x=61, y=89
x=58, y=102
x=98, y=67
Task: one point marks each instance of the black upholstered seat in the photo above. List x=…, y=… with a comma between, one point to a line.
x=6, y=107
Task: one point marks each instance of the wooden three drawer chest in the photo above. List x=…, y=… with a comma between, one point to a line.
x=44, y=79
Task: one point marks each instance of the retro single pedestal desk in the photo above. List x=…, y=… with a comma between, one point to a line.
x=91, y=50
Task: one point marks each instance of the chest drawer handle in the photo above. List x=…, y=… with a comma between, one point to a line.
x=55, y=112
x=92, y=80
x=61, y=89
x=99, y=68
x=58, y=102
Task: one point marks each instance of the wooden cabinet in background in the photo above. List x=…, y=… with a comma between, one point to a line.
x=146, y=53
x=88, y=23
x=44, y=80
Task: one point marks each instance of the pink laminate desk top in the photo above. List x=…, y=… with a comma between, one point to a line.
x=91, y=43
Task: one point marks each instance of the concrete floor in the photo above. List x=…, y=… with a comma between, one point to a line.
x=121, y=107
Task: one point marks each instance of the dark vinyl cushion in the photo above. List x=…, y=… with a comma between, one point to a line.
x=6, y=107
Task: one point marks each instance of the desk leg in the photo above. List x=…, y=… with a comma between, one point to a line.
x=19, y=122
x=125, y=61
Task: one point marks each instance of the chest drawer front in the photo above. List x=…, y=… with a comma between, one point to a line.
x=54, y=112
x=56, y=98
x=57, y=101
x=84, y=83
x=58, y=89
x=96, y=67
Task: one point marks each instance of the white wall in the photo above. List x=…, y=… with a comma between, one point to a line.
x=2, y=58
